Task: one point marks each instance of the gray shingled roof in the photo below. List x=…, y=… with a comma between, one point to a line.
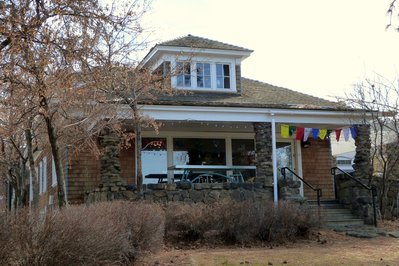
x=255, y=94
x=204, y=43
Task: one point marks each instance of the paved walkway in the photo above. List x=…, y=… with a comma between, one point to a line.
x=365, y=231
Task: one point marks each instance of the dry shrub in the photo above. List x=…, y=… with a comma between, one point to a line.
x=188, y=222
x=114, y=233
x=249, y=222
x=237, y=222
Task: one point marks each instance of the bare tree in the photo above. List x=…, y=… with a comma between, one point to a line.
x=380, y=99
x=50, y=50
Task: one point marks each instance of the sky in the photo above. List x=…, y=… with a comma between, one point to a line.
x=317, y=47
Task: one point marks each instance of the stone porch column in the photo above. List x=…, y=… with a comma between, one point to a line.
x=263, y=151
x=362, y=163
x=110, y=163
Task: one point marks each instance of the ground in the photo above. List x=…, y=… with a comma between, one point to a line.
x=325, y=247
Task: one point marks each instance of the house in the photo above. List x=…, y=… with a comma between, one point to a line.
x=223, y=119
x=345, y=161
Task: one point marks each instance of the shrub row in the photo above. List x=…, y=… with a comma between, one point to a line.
x=237, y=223
x=118, y=233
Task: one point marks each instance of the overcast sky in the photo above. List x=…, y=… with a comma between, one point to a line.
x=317, y=47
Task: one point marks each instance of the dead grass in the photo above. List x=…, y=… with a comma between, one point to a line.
x=337, y=250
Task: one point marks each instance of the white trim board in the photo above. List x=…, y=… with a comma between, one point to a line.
x=245, y=114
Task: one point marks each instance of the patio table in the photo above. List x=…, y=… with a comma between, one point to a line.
x=207, y=172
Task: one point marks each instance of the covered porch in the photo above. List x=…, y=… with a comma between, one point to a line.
x=241, y=137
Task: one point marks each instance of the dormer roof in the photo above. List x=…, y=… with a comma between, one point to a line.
x=192, y=41
x=194, y=45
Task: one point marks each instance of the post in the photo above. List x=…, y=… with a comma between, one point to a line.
x=274, y=159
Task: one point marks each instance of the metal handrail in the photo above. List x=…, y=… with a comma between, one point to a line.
x=318, y=190
x=372, y=189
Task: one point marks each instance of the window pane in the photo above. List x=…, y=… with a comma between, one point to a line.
x=207, y=82
x=154, y=160
x=227, y=83
x=207, y=69
x=200, y=69
x=187, y=68
x=244, y=154
x=179, y=67
x=219, y=70
x=200, y=82
x=200, y=151
x=180, y=80
x=226, y=70
x=219, y=83
x=187, y=81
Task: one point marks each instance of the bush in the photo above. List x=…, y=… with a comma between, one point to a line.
x=99, y=234
x=237, y=222
x=188, y=222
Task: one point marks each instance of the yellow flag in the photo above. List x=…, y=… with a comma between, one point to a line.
x=323, y=133
x=285, y=131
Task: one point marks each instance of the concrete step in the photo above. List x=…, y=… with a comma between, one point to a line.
x=333, y=214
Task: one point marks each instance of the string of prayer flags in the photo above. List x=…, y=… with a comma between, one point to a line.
x=338, y=133
x=307, y=133
x=354, y=132
x=303, y=134
x=285, y=131
x=346, y=133
x=322, y=133
x=299, y=133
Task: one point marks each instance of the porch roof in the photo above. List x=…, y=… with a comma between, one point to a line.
x=255, y=94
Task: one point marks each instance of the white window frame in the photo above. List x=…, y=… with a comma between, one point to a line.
x=53, y=173
x=193, y=71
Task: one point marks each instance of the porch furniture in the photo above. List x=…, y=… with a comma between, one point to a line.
x=162, y=178
x=211, y=173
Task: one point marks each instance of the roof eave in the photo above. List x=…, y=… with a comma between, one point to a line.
x=158, y=49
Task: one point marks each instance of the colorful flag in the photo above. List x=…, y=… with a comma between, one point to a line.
x=315, y=133
x=346, y=133
x=285, y=131
x=354, y=132
x=338, y=133
x=306, y=133
x=299, y=133
x=292, y=129
x=322, y=133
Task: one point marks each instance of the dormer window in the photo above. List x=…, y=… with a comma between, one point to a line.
x=222, y=76
x=184, y=74
x=203, y=75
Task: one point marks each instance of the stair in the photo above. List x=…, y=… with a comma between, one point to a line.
x=332, y=214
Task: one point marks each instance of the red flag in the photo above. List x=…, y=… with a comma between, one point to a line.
x=338, y=133
x=299, y=133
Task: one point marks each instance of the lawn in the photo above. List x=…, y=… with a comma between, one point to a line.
x=324, y=248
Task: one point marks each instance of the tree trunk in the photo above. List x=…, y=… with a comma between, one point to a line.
x=138, y=147
x=35, y=190
x=61, y=187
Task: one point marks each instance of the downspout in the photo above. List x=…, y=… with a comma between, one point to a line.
x=274, y=160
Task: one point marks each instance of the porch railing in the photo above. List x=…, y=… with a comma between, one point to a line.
x=318, y=190
x=372, y=189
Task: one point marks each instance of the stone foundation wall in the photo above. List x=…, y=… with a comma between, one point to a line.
x=356, y=198
x=187, y=192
